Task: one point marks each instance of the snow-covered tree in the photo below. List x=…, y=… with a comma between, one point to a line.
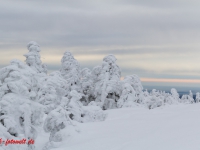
x=20, y=116
x=86, y=86
x=96, y=82
x=154, y=99
x=128, y=97
x=175, y=94
x=55, y=122
x=146, y=93
x=108, y=87
x=172, y=98
x=197, y=100
x=20, y=113
x=186, y=99
x=70, y=70
x=191, y=95
x=52, y=90
x=75, y=106
x=96, y=74
x=135, y=82
x=81, y=113
x=33, y=58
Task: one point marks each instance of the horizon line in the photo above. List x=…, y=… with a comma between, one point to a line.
x=170, y=80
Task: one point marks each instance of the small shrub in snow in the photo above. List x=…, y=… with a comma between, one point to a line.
x=81, y=113
x=57, y=120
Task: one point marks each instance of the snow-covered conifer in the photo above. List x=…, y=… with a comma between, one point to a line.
x=81, y=113
x=20, y=116
x=197, y=100
x=20, y=113
x=75, y=106
x=191, y=96
x=128, y=97
x=146, y=93
x=172, y=98
x=135, y=82
x=70, y=70
x=52, y=90
x=97, y=84
x=55, y=122
x=109, y=86
x=155, y=99
x=33, y=58
x=86, y=86
x=186, y=99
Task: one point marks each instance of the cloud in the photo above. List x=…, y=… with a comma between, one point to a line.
x=149, y=38
x=97, y=23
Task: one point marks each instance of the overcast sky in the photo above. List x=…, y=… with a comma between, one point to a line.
x=150, y=38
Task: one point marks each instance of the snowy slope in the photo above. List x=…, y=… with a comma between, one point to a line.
x=168, y=128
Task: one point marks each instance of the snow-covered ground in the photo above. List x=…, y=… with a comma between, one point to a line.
x=174, y=127
x=73, y=100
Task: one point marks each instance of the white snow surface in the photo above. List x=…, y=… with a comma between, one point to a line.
x=174, y=127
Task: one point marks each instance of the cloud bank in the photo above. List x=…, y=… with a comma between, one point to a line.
x=154, y=39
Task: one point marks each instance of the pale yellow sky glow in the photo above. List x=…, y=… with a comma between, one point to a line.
x=170, y=80
x=158, y=63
